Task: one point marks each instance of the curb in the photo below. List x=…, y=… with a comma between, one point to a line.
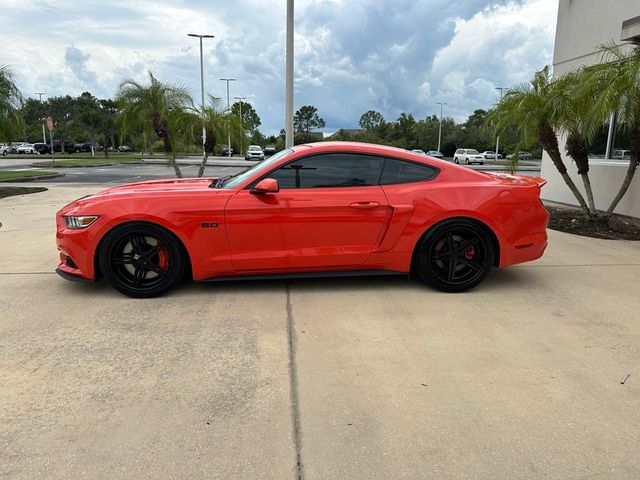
x=31, y=179
x=79, y=166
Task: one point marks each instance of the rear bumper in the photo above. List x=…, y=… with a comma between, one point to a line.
x=526, y=249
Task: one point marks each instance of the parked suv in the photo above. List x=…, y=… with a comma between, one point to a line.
x=254, y=153
x=41, y=148
x=4, y=150
x=270, y=150
x=468, y=156
x=227, y=150
x=68, y=147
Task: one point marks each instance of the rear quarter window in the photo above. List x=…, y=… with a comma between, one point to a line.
x=400, y=171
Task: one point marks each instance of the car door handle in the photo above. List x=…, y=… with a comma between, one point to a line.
x=364, y=205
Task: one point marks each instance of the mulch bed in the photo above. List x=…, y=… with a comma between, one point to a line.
x=570, y=220
x=11, y=191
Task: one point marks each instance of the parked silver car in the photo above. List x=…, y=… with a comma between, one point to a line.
x=490, y=154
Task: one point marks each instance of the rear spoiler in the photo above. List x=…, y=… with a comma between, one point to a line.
x=541, y=182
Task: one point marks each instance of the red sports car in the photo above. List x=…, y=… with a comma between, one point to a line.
x=323, y=209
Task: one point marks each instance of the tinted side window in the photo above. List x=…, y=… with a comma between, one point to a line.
x=398, y=171
x=330, y=170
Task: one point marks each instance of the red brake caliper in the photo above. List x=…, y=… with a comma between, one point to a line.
x=470, y=253
x=163, y=258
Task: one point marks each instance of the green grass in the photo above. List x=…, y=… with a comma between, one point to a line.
x=15, y=174
x=87, y=162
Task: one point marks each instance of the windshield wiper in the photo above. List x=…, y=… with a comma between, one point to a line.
x=218, y=182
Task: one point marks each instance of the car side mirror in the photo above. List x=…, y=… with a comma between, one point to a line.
x=266, y=185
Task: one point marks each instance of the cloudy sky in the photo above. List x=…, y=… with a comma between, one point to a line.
x=350, y=55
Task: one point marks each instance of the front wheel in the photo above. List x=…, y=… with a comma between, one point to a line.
x=141, y=260
x=454, y=256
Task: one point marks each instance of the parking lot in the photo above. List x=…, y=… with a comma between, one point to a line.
x=371, y=378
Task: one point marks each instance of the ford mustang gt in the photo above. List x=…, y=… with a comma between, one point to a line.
x=323, y=209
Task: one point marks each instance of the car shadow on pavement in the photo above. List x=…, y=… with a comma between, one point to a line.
x=499, y=279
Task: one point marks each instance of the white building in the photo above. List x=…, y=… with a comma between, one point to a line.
x=582, y=26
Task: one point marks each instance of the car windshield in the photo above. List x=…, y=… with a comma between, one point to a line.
x=254, y=147
x=238, y=178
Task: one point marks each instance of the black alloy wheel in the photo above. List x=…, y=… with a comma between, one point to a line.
x=454, y=256
x=141, y=260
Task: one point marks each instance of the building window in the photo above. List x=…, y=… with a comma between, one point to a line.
x=610, y=143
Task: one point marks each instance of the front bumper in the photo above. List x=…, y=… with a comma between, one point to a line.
x=77, y=248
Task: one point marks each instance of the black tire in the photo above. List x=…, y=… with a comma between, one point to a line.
x=141, y=260
x=466, y=160
x=454, y=256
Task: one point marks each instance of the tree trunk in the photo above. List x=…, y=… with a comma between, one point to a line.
x=203, y=165
x=209, y=147
x=576, y=148
x=175, y=165
x=549, y=142
x=634, y=150
x=171, y=155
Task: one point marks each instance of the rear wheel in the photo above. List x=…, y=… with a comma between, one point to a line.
x=141, y=260
x=454, y=256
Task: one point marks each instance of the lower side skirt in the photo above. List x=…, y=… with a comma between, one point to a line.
x=298, y=275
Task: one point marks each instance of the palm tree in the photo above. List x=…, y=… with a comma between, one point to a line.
x=165, y=106
x=568, y=112
x=10, y=104
x=614, y=86
x=527, y=107
x=216, y=122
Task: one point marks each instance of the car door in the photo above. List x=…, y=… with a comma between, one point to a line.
x=328, y=215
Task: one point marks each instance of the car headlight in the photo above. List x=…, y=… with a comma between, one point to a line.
x=79, y=222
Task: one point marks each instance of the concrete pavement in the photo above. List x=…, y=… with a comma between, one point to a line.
x=519, y=378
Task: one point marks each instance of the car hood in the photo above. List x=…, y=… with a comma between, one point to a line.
x=152, y=187
x=165, y=185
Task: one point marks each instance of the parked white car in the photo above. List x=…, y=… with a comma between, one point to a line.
x=468, y=156
x=254, y=152
x=26, y=148
x=4, y=150
x=490, y=154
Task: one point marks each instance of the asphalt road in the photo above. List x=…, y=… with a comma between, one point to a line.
x=117, y=174
x=372, y=378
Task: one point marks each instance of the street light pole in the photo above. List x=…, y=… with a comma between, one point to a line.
x=241, y=99
x=204, y=130
x=495, y=158
x=44, y=136
x=440, y=128
x=288, y=110
x=228, y=111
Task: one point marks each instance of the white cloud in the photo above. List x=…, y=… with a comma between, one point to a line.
x=499, y=46
x=351, y=56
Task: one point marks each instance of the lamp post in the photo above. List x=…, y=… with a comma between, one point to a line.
x=288, y=109
x=495, y=158
x=241, y=99
x=44, y=136
x=204, y=131
x=228, y=110
x=440, y=128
